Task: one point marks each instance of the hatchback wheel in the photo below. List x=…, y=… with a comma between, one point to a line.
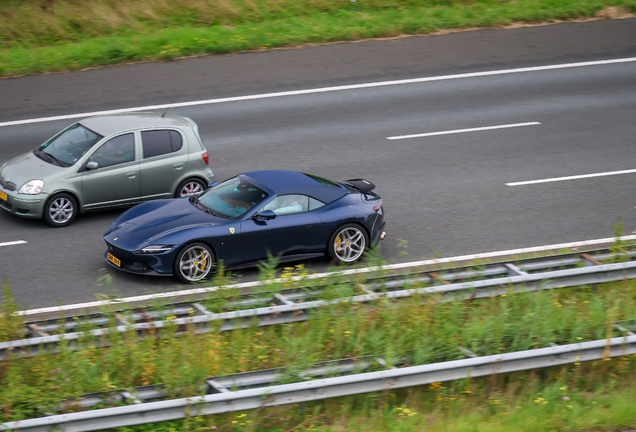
x=347, y=243
x=190, y=187
x=194, y=263
x=60, y=210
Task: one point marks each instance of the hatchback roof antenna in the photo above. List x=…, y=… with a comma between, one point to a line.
x=170, y=106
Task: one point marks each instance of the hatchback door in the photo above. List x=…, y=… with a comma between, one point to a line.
x=165, y=159
x=115, y=179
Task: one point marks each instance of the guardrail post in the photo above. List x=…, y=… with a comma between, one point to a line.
x=215, y=387
x=513, y=270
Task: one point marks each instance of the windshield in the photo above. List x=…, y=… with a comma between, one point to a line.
x=68, y=146
x=232, y=198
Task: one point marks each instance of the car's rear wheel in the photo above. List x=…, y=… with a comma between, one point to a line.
x=189, y=187
x=194, y=263
x=60, y=210
x=347, y=243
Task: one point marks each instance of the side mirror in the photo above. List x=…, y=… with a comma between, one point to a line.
x=264, y=215
x=91, y=165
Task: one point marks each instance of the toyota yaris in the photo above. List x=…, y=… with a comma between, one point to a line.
x=105, y=162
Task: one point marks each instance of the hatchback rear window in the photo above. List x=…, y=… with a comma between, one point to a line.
x=160, y=142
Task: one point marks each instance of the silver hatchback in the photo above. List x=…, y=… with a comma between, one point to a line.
x=105, y=162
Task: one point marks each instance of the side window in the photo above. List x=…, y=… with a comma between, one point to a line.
x=115, y=151
x=288, y=204
x=160, y=142
x=315, y=204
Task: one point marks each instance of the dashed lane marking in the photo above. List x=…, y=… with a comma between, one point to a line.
x=12, y=243
x=575, y=177
x=456, y=131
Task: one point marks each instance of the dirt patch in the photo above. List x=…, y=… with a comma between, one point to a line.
x=613, y=12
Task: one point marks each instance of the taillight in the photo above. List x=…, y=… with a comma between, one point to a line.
x=377, y=207
x=205, y=158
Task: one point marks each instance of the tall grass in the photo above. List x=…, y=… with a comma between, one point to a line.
x=51, y=22
x=590, y=397
x=53, y=35
x=420, y=326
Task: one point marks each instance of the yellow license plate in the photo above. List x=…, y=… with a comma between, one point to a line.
x=3, y=196
x=114, y=260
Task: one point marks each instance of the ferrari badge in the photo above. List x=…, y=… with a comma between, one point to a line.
x=232, y=230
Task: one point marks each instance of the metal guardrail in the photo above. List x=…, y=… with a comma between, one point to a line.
x=497, y=279
x=43, y=327
x=268, y=377
x=221, y=399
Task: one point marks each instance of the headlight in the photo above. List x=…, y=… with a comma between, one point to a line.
x=155, y=249
x=32, y=187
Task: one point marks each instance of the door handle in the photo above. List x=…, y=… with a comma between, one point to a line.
x=132, y=174
x=178, y=165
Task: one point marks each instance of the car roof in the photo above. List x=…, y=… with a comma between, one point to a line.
x=109, y=124
x=293, y=182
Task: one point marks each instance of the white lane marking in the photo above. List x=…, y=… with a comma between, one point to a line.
x=576, y=177
x=12, y=243
x=477, y=129
x=328, y=274
x=323, y=90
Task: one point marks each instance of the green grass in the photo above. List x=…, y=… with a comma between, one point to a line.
x=59, y=35
x=596, y=396
x=427, y=329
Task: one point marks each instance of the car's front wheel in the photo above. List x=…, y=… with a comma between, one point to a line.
x=347, y=243
x=60, y=210
x=194, y=263
x=189, y=187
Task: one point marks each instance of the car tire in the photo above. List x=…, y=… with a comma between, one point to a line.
x=60, y=210
x=191, y=186
x=194, y=263
x=347, y=243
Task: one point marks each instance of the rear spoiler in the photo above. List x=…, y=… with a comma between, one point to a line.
x=361, y=184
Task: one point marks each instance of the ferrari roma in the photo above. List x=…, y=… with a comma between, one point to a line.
x=241, y=221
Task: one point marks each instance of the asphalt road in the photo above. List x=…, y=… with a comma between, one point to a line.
x=444, y=194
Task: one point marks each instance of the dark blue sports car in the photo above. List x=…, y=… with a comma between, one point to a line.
x=240, y=221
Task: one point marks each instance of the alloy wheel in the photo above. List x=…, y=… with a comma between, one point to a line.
x=349, y=244
x=191, y=188
x=195, y=263
x=61, y=210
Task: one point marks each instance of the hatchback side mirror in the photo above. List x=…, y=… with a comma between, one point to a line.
x=91, y=165
x=264, y=215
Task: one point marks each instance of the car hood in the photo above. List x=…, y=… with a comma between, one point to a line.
x=28, y=166
x=156, y=221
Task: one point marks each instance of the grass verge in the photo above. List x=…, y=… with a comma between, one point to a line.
x=595, y=396
x=51, y=35
x=429, y=330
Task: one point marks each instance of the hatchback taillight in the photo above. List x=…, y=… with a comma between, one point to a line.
x=377, y=207
x=205, y=158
